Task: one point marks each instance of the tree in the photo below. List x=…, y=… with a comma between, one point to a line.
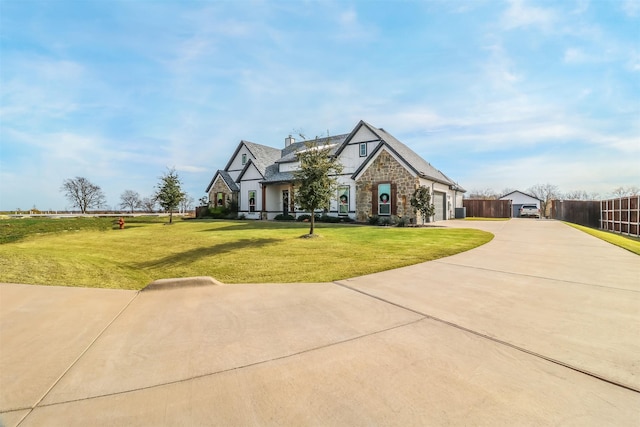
x=83, y=194
x=484, y=194
x=546, y=193
x=130, y=199
x=421, y=202
x=625, y=191
x=148, y=204
x=186, y=203
x=315, y=186
x=577, y=195
x=169, y=192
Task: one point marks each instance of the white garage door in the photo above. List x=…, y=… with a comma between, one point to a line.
x=438, y=201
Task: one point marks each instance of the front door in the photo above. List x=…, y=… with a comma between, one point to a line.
x=285, y=202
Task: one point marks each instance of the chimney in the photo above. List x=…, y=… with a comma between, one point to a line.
x=288, y=141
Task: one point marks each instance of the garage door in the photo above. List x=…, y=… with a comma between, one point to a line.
x=438, y=201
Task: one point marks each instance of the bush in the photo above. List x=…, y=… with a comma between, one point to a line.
x=385, y=221
x=220, y=212
x=281, y=217
x=329, y=218
x=373, y=220
x=402, y=222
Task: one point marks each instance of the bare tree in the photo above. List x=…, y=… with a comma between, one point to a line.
x=626, y=191
x=576, y=195
x=546, y=193
x=187, y=203
x=130, y=200
x=484, y=194
x=83, y=194
x=148, y=204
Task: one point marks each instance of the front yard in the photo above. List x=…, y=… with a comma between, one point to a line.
x=230, y=251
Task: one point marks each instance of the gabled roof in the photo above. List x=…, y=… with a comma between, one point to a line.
x=416, y=163
x=227, y=180
x=289, y=153
x=273, y=175
x=521, y=192
x=262, y=153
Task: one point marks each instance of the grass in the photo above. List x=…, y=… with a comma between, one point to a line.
x=480, y=218
x=97, y=255
x=631, y=244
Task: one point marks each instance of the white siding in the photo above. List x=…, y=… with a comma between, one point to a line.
x=289, y=167
x=245, y=187
x=518, y=198
x=363, y=135
x=350, y=157
x=236, y=166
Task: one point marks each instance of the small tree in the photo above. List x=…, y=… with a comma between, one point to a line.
x=169, y=192
x=314, y=184
x=130, y=199
x=83, y=194
x=421, y=202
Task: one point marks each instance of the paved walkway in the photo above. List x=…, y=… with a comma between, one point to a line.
x=541, y=326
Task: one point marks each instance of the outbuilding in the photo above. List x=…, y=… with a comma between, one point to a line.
x=518, y=198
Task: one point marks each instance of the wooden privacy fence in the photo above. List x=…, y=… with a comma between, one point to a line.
x=487, y=208
x=581, y=212
x=621, y=215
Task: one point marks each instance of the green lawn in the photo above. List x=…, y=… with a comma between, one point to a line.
x=631, y=244
x=97, y=254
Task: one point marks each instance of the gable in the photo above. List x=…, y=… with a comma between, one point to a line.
x=222, y=178
x=371, y=161
x=250, y=172
x=518, y=197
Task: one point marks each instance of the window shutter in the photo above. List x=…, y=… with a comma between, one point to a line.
x=394, y=199
x=374, y=199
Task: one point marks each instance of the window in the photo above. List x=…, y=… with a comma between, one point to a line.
x=220, y=199
x=252, y=201
x=363, y=149
x=244, y=159
x=343, y=200
x=384, y=199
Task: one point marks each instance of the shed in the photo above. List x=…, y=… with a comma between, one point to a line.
x=518, y=198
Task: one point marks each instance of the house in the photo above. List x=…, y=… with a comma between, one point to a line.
x=378, y=178
x=518, y=198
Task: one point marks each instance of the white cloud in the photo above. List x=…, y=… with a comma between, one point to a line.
x=520, y=15
x=575, y=56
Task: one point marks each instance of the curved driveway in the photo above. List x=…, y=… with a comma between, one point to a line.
x=541, y=326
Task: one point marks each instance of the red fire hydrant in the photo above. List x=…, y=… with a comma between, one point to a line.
x=121, y=223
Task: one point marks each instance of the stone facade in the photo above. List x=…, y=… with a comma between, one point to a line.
x=220, y=187
x=386, y=169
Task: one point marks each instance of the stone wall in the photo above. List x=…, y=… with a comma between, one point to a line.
x=385, y=169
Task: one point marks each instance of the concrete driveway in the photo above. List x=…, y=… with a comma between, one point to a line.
x=541, y=326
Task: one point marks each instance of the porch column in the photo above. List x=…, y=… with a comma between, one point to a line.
x=264, y=201
x=292, y=206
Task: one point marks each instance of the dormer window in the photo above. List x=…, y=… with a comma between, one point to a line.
x=363, y=149
x=244, y=159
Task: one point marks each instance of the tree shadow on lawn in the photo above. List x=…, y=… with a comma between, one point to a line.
x=192, y=255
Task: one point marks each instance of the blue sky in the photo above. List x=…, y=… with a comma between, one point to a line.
x=496, y=94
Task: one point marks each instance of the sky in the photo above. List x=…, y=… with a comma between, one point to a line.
x=496, y=94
